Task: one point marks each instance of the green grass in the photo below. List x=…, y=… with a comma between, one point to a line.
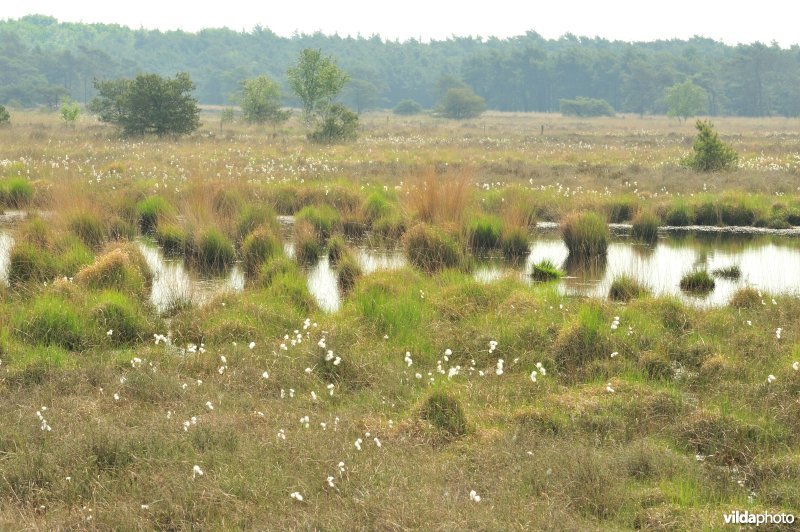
x=214, y=252
x=431, y=249
x=172, y=239
x=732, y=272
x=348, y=272
x=585, y=235
x=698, y=281
x=645, y=227
x=484, y=233
x=625, y=288
x=515, y=244
x=258, y=247
x=545, y=271
x=15, y=192
x=323, y=218
x=52, y=320
x=444, y=412
x=151, y=210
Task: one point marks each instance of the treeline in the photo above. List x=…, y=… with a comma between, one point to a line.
x=42, y=60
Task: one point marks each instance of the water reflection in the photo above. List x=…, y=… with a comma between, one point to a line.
x=174, y=285
x=5, y=255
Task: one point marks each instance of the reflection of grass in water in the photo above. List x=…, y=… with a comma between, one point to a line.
x=732, y=272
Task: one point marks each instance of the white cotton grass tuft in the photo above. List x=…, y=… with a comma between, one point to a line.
x=796, y=365
x=770, y=378
x=499, y=369
x=358, y=443
x=474, y=497
x=609, y=389
x=265, y=375
x=197, y=472
x=252, y=345
x=296, y=496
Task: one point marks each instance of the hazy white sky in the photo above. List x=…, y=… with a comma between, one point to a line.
x=766, y=20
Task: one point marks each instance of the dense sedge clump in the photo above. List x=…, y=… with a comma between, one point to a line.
x=484, y=232
x=150, y=210
x=336, y=248
x=258, y=247
x=348, y=271
x=89, y=228
x=323, y=218
x=173, y=239
x=625, y=288
x=121, y=269
x=444, y=412
x=307, y=245
x=545, y=270
x=585, y=235
x=430, y=249
x=213, y=252
x=698, y=281
x=645, y=227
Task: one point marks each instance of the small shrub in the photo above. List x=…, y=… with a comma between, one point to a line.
x=708, y=152
x=172, y=239
x=407, y=108
x=625, y=288
x=545, y=271
x=339, y=124
x=257, y=247
x=214, y=252
x=430, y=249
x=746, y=298
x=337, y=247
x=484, y=232
x=5, y=117
x=445, y=413
x=585, y=107
x=515, y=243
x=348, y=272
x=645, y=227
x=698, y=281
x=89, y=228
x=586, y=235
x=732, y=272
x=307, y=246
x=150, y=210
x=53, y=321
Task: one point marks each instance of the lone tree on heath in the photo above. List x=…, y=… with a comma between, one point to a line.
x=684, y=100
x=708, y=152
x=260, y=100
x=70, y=110
x=148, y=104
x=5, y=118
x=461, y=104
x=316, y=81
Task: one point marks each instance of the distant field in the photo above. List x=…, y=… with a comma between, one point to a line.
x=167, y=360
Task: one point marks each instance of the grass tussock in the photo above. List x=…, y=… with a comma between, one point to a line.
x=431, y=249
x=214, y=252
x=625, y=288
x=585, y=235
x=545, y=271
x=258, y=247
x=439, y=197
x=699, y=282
x=445, y=413
x=645, y=227
x=122, y=268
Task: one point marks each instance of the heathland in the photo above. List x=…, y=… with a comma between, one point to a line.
x=431, y=398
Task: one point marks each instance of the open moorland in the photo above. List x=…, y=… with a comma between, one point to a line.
x=431, y=327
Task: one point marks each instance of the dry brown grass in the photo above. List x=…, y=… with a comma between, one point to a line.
x=439, y=197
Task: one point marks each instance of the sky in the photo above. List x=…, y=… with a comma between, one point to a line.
x=627, y=20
